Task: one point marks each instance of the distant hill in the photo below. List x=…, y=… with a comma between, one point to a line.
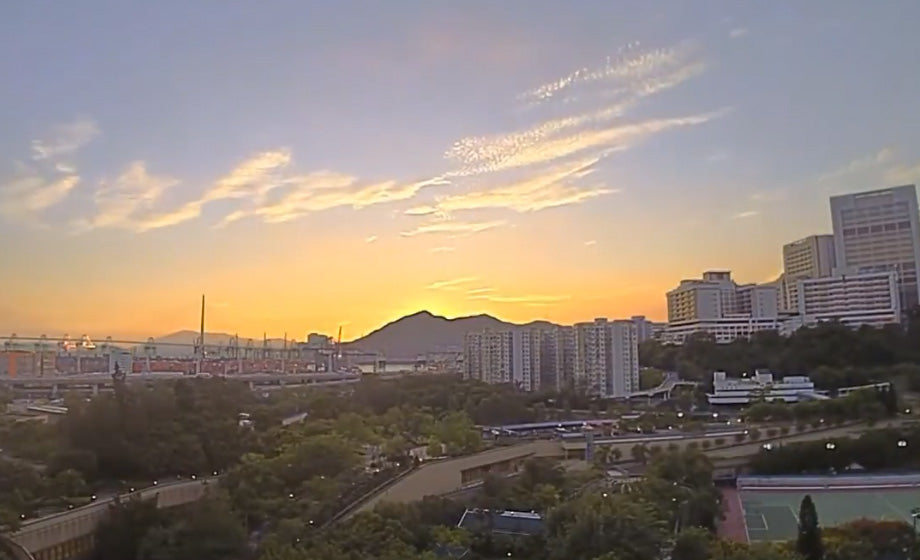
x=403, y=339
x=414, y=335
x=182, y=343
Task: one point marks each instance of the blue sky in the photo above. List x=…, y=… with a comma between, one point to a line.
x=155, y=150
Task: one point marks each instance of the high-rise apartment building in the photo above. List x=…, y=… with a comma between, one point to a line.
x=645, y=329
x=530, y=358
x=811, y=257
x=558, y=358
x=488, y=356
x=606, y=358
x=879, y=231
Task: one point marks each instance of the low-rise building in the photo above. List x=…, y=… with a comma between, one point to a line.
x=761, y=386
x=723, y=330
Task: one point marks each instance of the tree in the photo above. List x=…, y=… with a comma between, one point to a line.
x=808, y=543
x=692, y=544
x=206, y=530
x=639, y=452
x=120, y=535
x=591, y=525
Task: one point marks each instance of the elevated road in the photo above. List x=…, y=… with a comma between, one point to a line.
x=666, y=387
x=69, y=534
x=454, y=475
x=94, y=383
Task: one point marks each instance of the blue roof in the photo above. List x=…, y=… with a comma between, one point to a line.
x=521, y=523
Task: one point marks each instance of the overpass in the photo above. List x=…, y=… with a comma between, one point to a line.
x=666, y=387
x=70, y=534
x=93, y=384
x=451, y=476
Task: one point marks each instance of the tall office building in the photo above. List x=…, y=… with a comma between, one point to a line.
x=811, y=257
x=606, y=358
x=879, y=231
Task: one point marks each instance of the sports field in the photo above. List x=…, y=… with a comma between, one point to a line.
x=773, y=514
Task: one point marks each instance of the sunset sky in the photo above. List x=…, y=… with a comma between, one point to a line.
x=310, y=164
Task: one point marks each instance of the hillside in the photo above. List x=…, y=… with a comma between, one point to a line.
x=414, y=335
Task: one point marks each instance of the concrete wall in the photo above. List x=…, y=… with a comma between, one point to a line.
x=443, y=477
x=69, y=534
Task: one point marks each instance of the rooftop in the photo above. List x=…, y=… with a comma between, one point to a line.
x=502, y=522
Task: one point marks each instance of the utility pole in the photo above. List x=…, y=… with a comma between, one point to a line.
x=201, y=337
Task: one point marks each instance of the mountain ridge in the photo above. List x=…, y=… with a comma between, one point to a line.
x=404, y=338
x=418, y=333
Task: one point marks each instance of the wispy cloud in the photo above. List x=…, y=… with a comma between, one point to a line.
x=631, y=64
x=443, y=249
x=858, y=165
x=550, y=163
x=324, y=190
x=738, y=32
x=370, y=239
x=609, y=92
x=454, y=228
x=490, y=155
x=538, y=192
x=65, y=139
x=884, y=167
x=30, y=193
x=577, y=121
x=590, y=243
x=746, y=214
x=263, y=183
x=47, y=180
x=453, y=283
x=479, y=291
x=529, y=300
x=127, y=202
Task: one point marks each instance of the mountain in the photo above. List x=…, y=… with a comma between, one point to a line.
x=414, y=335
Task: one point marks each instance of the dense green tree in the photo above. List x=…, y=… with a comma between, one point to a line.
x=205, y=530
x=593, y=524
x=120, y=535
x=833, y=354
x=808, y=543
x=692, y=544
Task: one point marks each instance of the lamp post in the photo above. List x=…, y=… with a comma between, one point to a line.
x=914, y=513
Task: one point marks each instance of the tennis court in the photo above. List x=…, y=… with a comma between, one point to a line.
x=773, y=514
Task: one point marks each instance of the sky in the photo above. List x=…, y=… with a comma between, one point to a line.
x=311, y=164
